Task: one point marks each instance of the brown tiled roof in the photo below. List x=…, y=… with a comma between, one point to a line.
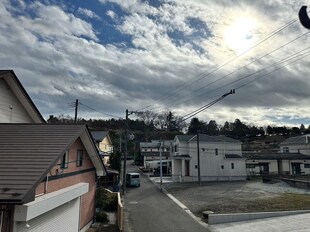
x=27, y=153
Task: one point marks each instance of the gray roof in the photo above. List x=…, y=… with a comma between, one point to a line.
x=28, y=152
x=184, y=138
x=207, y=138
x=302, y=139
x=279, y=156
x=155, y=144
x=99, y=135
x=233, y=156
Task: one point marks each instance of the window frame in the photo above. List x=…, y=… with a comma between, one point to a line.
x=65, y=160
x=79, y=157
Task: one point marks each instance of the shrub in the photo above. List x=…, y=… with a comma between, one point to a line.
x=105, y=201
x=101, y=216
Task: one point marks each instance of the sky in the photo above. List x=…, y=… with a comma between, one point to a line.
x=161, y=56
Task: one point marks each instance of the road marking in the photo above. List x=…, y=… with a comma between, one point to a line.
x=133, y=202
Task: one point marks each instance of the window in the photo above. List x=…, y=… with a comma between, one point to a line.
x=203, y=149
x=64, y=160
x=216, y=151
x=286, y=150
x=176, y=148
x=232, y=166
x=222, y=166
x=307, y=165
x=79, y=158
x=196, y=166
x=250, y=165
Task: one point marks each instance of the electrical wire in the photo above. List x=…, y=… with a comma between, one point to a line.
x=239, y=69
x=195, y=112
x=111, y=115
x=191, y=82
x=258, y=71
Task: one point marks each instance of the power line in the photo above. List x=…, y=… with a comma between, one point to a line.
x=111, y=115
x=191, y=82
x=258, y=71
x=184, y=118
x=236, y=70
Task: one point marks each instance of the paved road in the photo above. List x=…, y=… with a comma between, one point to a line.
x=148, y=209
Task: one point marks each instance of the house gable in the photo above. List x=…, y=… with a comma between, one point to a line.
x=15, y=104
x=30, y=151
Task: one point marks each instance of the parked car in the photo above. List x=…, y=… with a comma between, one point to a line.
x=133, y=179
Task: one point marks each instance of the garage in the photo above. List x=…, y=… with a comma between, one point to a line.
x=66, y=215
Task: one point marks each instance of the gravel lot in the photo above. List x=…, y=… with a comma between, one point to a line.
x=231, y=195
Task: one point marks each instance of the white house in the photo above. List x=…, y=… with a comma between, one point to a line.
x=150, y=151
x=277, y=164
x=297, y=144
x=15, y=104
x=220, y=158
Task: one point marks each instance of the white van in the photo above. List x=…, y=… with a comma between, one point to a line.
x=133, y=179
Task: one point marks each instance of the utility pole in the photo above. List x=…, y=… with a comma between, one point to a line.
x=125, y=153
x=76, y=110
x=198, y=158
x=126, y=149
x=161, y=164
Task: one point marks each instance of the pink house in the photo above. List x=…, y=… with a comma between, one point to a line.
x=48, y=173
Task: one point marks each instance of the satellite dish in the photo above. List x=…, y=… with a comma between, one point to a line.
x=303, y=17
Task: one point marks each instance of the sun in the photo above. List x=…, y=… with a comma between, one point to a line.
x=240, y=34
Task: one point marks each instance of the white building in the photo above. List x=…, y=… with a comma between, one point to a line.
x=298, y=144
x=220, y=158
x=150, y=151
x=277, y=164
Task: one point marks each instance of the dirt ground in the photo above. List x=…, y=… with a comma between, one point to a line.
x=245, y=196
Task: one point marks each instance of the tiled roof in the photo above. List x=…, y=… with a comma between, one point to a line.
x=207, y=138
x=278, y=156
x=27, y=153
x=233, y=156
x=184, y=138
x=155, y=144
x=302, y=139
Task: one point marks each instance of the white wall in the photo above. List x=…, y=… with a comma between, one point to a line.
x=211, y=164
x=297, y=148
x=17, y=114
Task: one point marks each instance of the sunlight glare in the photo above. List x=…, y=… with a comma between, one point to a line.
x=240, y=35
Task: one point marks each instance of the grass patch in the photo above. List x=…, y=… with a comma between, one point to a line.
x=284, y=202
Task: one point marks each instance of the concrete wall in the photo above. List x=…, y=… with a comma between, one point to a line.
x=235, y=217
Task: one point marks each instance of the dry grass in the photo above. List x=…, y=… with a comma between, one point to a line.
x=284, y=202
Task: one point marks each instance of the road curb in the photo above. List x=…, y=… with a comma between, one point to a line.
x=180, y=204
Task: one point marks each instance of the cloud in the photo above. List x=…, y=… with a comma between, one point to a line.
x=111, y=14
x=88, y=13
x=171, y=55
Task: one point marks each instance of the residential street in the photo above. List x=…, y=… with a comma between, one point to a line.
x=148, y=209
